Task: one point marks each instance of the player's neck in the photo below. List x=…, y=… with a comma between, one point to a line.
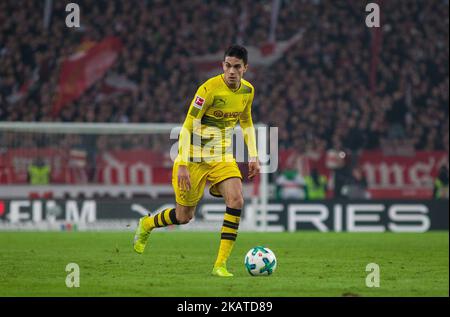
x=234, y=88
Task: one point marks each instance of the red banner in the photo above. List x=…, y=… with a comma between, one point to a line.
x=416, y=171
x=387, y=176
x=83, y=69
x=65, y=167
x=133, y=167
x=381, y=171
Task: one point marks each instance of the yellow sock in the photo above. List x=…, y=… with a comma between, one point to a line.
x=228, y=235
x=164, y=218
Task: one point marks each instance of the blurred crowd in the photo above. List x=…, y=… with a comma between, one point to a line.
x=320, y=94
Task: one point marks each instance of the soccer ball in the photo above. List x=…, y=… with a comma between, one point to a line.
x=260, y=261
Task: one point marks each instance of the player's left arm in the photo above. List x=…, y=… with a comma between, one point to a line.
x=246, y=122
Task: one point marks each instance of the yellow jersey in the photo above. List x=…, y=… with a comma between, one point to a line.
x=213, y=114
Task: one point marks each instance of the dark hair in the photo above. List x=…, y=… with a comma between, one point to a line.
x=237, y=51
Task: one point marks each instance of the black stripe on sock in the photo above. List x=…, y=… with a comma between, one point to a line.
x=163, y=218
x=230, y=224
x=155, y=218
x=173, y=216
x=228, y=236
x=234, y=212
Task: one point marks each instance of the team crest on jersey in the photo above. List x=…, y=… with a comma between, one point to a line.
x=199, y=101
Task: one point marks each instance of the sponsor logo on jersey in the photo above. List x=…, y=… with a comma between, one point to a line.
x=221, y=114
x=199, y=101
x=231, y=114
x=218, y=114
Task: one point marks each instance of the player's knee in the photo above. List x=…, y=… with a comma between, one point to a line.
x=184, y=214
x=235, y=201
x=184, y=219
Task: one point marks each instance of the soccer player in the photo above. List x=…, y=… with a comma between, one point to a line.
x=217, y=106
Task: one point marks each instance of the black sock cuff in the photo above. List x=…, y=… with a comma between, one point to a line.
x=228, y=236
x=234, y=212
x=173, y=216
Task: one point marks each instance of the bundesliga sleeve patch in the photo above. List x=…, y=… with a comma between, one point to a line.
x=199, y=101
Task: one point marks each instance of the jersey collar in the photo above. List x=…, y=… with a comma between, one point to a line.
x=235, y=90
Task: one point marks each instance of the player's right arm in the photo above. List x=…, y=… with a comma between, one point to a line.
x=199, y=104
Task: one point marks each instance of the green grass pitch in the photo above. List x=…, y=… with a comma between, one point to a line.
x=178, y=263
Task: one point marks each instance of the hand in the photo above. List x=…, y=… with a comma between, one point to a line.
x=253, y=168
x=184, y=181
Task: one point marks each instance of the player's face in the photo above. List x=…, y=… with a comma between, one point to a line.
x=233, y=69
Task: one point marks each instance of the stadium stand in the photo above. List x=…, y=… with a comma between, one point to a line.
x=343, y=86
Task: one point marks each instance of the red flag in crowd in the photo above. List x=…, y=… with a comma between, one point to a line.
x=83, y=69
